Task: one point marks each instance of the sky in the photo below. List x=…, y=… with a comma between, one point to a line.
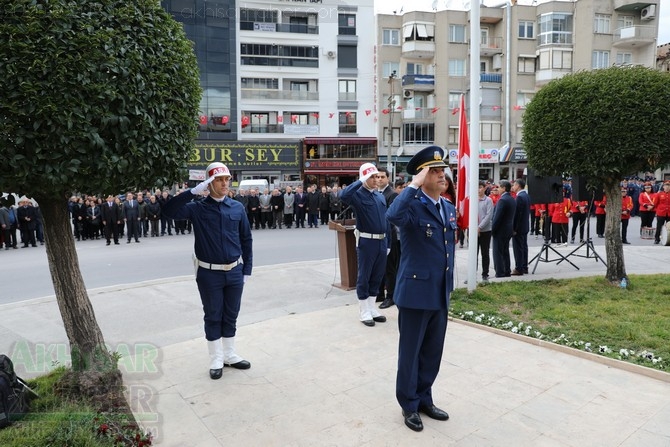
x=388, y=6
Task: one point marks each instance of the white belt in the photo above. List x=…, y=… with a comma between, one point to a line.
x=371, y=235
x=224, y=267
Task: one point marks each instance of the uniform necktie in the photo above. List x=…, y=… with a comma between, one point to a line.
x=439, y=211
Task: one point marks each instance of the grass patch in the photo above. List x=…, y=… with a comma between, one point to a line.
x=63, y=421
x=587, y=313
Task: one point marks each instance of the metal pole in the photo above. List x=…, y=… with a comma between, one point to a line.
x=389, y=164
x=473, y=181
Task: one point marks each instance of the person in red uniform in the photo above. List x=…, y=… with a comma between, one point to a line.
x=560, y=219
x=646, y=207
x=599, y=205
x=662, y=205
x=626, y=208
x=579, y=211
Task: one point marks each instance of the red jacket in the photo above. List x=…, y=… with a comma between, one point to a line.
x=561, y=210
x=646, y=199
x=662, y=204
x=600, y=206
x=626, y=207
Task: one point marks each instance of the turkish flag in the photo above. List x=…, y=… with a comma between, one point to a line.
x=294, y=119
x=331, y=114
x=280, y=119
x=462, y=193
x=245, y=121
x=315, y=115
x=434, y=110
x=386, y=111
x=203, y=119
x=368, y=112
x=224, y=119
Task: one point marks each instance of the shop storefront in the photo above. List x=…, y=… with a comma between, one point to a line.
x=488, y=163
x=272, y=161
x=335, y=161
x=513, y=163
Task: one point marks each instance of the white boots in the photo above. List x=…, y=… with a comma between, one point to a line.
x=222, y=353
x=368, y=312
x=230, y=358
x=215, y=358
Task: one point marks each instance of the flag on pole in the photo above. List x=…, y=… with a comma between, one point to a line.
x=462, y=193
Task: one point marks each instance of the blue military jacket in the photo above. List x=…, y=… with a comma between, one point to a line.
x=425, y=275
x=221, y=229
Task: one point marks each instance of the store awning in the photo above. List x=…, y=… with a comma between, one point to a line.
x=335, y=140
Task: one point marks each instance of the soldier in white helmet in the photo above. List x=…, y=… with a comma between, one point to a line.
x=372, y=231
x=223, y=248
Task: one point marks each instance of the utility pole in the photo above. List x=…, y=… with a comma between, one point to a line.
x=389, y=163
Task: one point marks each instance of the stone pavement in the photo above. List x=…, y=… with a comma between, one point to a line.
x=321, y=378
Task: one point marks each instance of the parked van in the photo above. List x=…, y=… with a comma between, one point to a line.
x=260, y=184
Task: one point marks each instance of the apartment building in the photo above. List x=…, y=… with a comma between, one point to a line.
x=289, y=87
x=424, y=64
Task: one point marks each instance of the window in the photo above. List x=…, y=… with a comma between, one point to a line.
x=419, y=133
x=391, y=37
x=523, y=98
x=625, y=21
x=347, y=57
x=454, y=100
x=347, y=24
x=347, y=90
x=453, y=135
x=457, y=33
x=600, y=59
x=389, y=67
x=484, y=37
x=526, y=29
x=624, y=58
x=490, y=131
x=601, y=23
x=556, y=59
x=396, y=137
x=457, y=67
x=348, y=122
x=526, y=65
x=260, y=83
x=279, y=55
x=555, y=28
x=414, y=69
x=258, y=15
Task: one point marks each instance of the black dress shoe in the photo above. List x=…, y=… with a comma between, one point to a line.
x=369, y=323
x=380, y=319
x=242, y=364
x=388, y=302
x=215, y=374
x=515, y=272
x=434, y=413
x=413, y=420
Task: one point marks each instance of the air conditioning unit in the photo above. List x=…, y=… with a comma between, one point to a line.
x=648, y=13
x=331, y=54
x=407, y=93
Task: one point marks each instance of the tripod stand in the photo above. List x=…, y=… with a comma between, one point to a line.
x=588, y=242
x=543, y=256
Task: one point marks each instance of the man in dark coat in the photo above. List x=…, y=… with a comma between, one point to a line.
x=111, y=219
x=521, y=228
x=26, y=215
x=502, y=230
x=131, y=213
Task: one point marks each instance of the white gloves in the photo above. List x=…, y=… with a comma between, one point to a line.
x=246, y=277
x=200, y=188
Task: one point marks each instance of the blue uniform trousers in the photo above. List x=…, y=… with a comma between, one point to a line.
x=420, y=349
x=371, y=266
x=221, y=293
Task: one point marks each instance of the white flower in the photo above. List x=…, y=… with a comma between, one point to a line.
x=624, y=352
x=515, y=329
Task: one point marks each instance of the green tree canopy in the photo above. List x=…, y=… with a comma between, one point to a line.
x=96, y=96
x=602, y=125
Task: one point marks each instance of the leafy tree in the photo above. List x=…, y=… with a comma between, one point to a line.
x=97, y=96
x=602, y=125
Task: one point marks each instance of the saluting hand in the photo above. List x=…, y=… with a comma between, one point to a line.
x=420, y=178
x=200, y=188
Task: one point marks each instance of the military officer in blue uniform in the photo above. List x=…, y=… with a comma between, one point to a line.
x=428, y=231
x=223, y=250
x=372, y=231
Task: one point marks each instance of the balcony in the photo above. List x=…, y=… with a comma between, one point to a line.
x=631, y=5
x=491, y=46
x=263, y=128
x=634, y=36
x=491, y=77
x=419, y=83
x=424, y=115
x=418, y=49
x=283, y=95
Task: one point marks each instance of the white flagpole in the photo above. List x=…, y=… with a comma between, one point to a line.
x=473, y=181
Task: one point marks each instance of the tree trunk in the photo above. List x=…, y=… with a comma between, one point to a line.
x=616, y=267
x=87, y=344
